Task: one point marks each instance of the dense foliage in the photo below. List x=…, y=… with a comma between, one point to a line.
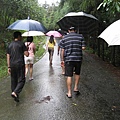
x=107, y=11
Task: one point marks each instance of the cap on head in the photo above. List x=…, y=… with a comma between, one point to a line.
x=72, y=28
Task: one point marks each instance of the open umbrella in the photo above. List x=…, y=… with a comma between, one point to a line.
x=28, y=25
x=33, y=33
x=84, y=23
x=112, y=34
x=54, y=33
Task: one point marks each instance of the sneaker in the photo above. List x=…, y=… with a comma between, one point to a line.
x=30, y=79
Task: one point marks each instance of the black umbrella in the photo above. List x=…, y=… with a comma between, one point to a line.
x=84, y=23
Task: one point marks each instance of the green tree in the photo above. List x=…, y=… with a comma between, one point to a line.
x=111, y=8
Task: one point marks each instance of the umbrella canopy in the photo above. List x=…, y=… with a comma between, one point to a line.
x=33, y=33
x=28, y=25
x=84, y=23
x=112, y=34
x=54, y=33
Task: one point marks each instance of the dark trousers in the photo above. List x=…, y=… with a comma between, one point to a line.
x=17, y=78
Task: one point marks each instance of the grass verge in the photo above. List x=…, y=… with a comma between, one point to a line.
x=39, y=42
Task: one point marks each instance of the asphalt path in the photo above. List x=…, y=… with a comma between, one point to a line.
x=44, y=98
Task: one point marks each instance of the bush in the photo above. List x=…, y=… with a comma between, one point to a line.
x=39, y=42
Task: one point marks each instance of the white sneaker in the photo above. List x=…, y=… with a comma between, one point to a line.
x=30, y=79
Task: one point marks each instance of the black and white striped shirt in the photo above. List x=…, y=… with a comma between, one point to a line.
x=72, y=45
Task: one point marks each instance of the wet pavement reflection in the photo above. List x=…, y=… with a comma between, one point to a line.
x=44, y=98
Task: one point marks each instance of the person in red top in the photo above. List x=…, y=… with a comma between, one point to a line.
x=29, y=61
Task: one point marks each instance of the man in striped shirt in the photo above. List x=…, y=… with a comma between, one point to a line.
x=72, y=45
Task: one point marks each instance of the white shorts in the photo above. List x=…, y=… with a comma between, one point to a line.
x=29, y=60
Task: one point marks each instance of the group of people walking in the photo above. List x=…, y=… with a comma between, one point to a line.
x=20, y=57
x=70, y=48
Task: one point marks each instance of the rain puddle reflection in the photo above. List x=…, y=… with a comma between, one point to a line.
x=45, y=99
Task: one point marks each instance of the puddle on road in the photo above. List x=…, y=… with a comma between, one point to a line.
x=45, y=99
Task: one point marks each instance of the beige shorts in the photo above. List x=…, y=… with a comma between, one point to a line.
x=29, y=60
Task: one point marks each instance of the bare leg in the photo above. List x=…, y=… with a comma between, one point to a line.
x=31, y=71
x=77, y=78
x=26, y=69
x=51, y=56
x=69, y=85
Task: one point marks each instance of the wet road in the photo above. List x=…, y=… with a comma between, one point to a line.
x=44, y=98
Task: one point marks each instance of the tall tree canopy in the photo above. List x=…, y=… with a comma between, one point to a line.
x=107, y=11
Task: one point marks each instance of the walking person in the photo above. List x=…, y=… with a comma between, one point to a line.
x=72, y=45
x=62, y=62
x=16, y=66
x=50, y=47
x=29, y=61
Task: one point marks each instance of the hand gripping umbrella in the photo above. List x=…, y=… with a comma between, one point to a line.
x=84, y=23
x=28, y=25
